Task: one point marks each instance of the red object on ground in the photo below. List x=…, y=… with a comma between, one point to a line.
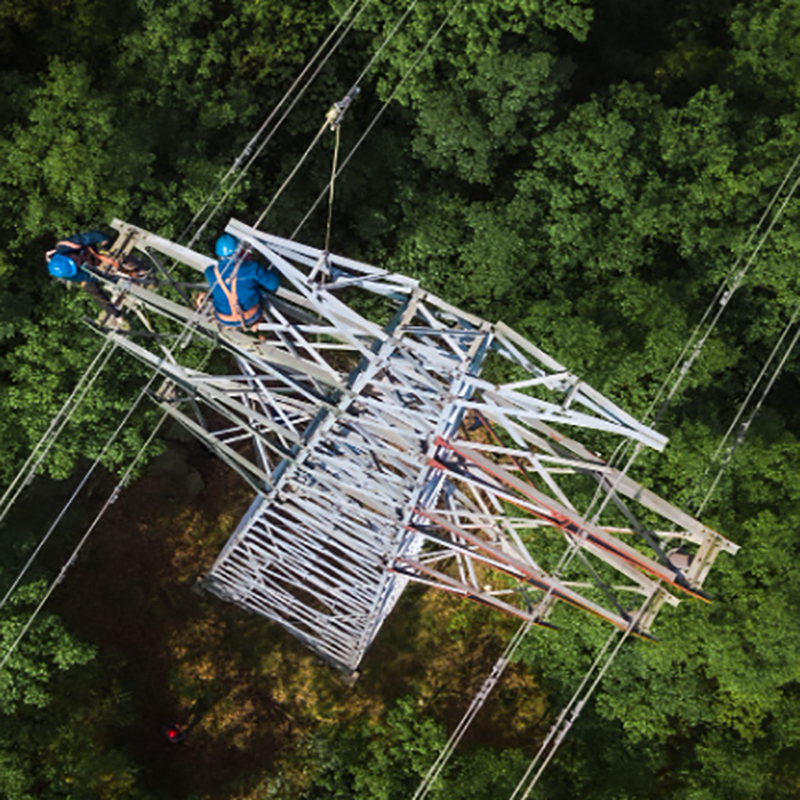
x=175, y=734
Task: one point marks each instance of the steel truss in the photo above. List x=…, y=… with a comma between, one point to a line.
x=380, y=456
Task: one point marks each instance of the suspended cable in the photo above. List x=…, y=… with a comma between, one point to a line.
x=57, y=424
x=189, y=324
x=564, y=723
x=291, y=175
x=73, y=556
x=248, y=149
x=343, y=105
x=695, y=347
x=380, y=112
x=475, y=706
x=286, y=113
x=745, y=426
x=572, y=710
x=724, y=293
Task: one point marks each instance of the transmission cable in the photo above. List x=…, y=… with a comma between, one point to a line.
x=380, y=112
x=745, y=426
x=42, y=448
x=574, y=547
x=73, y=556
x=186, y=330
x=572, y=710
x=562, y=725
x=248, y=149
x=349, y=97
x=26, y=474
x=697, y=340
x=475, y=706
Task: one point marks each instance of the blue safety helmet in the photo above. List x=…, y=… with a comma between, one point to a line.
x=61, y=266
x=226, y=245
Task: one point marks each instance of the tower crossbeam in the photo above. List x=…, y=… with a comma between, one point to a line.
x=391, y=437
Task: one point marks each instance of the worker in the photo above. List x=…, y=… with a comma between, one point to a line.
x=237, y=284
x=72, y=256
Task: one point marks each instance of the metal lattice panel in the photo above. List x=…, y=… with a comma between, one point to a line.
x=381, y=454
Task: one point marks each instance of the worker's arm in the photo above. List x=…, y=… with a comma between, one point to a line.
x=89, y=238
x=268, y=280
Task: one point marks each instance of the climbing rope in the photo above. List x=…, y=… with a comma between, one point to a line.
x=380, y=112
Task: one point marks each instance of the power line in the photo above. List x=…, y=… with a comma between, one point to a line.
x=475, y=706
x=42, y=448
x=380, y=112
x=185, y=329
x=248, y=149
x=692, y=348
x=92, y=372
x=343, y=105
x=572, y=710
x=73, y=556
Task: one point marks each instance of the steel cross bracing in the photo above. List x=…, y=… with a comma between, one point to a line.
x=381, y=455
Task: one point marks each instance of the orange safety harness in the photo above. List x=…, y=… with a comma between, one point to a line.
x=236, y=315
x=98, y=258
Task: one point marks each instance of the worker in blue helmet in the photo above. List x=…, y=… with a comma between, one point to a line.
x=73, y=258
x=237, y=284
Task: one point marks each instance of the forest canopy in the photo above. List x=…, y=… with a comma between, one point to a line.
x=587, y=170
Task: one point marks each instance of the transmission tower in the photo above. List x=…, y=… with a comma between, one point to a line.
x=391, y=437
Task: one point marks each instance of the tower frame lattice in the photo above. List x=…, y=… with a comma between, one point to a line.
x=391, y=437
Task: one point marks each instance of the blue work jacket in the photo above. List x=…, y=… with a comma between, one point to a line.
x=250, y=280
x=85, y=241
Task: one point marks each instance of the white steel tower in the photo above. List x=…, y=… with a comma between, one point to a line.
x=391, y=437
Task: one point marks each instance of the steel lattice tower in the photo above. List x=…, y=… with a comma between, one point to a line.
x=391, y=437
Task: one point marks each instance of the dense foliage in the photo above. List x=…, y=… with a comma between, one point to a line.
x=588, y=170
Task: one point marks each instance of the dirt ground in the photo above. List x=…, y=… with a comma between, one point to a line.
x=246, y=691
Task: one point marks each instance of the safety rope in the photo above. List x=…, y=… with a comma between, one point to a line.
x=248, y=149
x=380, y=112
x=184, y=336
x=330, y=196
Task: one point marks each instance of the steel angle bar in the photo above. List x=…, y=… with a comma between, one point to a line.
x=413, y=570
x=443, y=308
x=316, y=576
x=291, y=249
x=694, y=530
x=496, y=558
x=142, y=239
x=260, y=479
x=367, y=527
x=287, y=331
x=329, y=595
x=558, y=382
x=347, y=534
x=399, y=394
x=517, y=345
x=496, y=527
x=612, y=549
x=528, y=409
x=377, y=472
x=338, y=646
x=351, y=326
